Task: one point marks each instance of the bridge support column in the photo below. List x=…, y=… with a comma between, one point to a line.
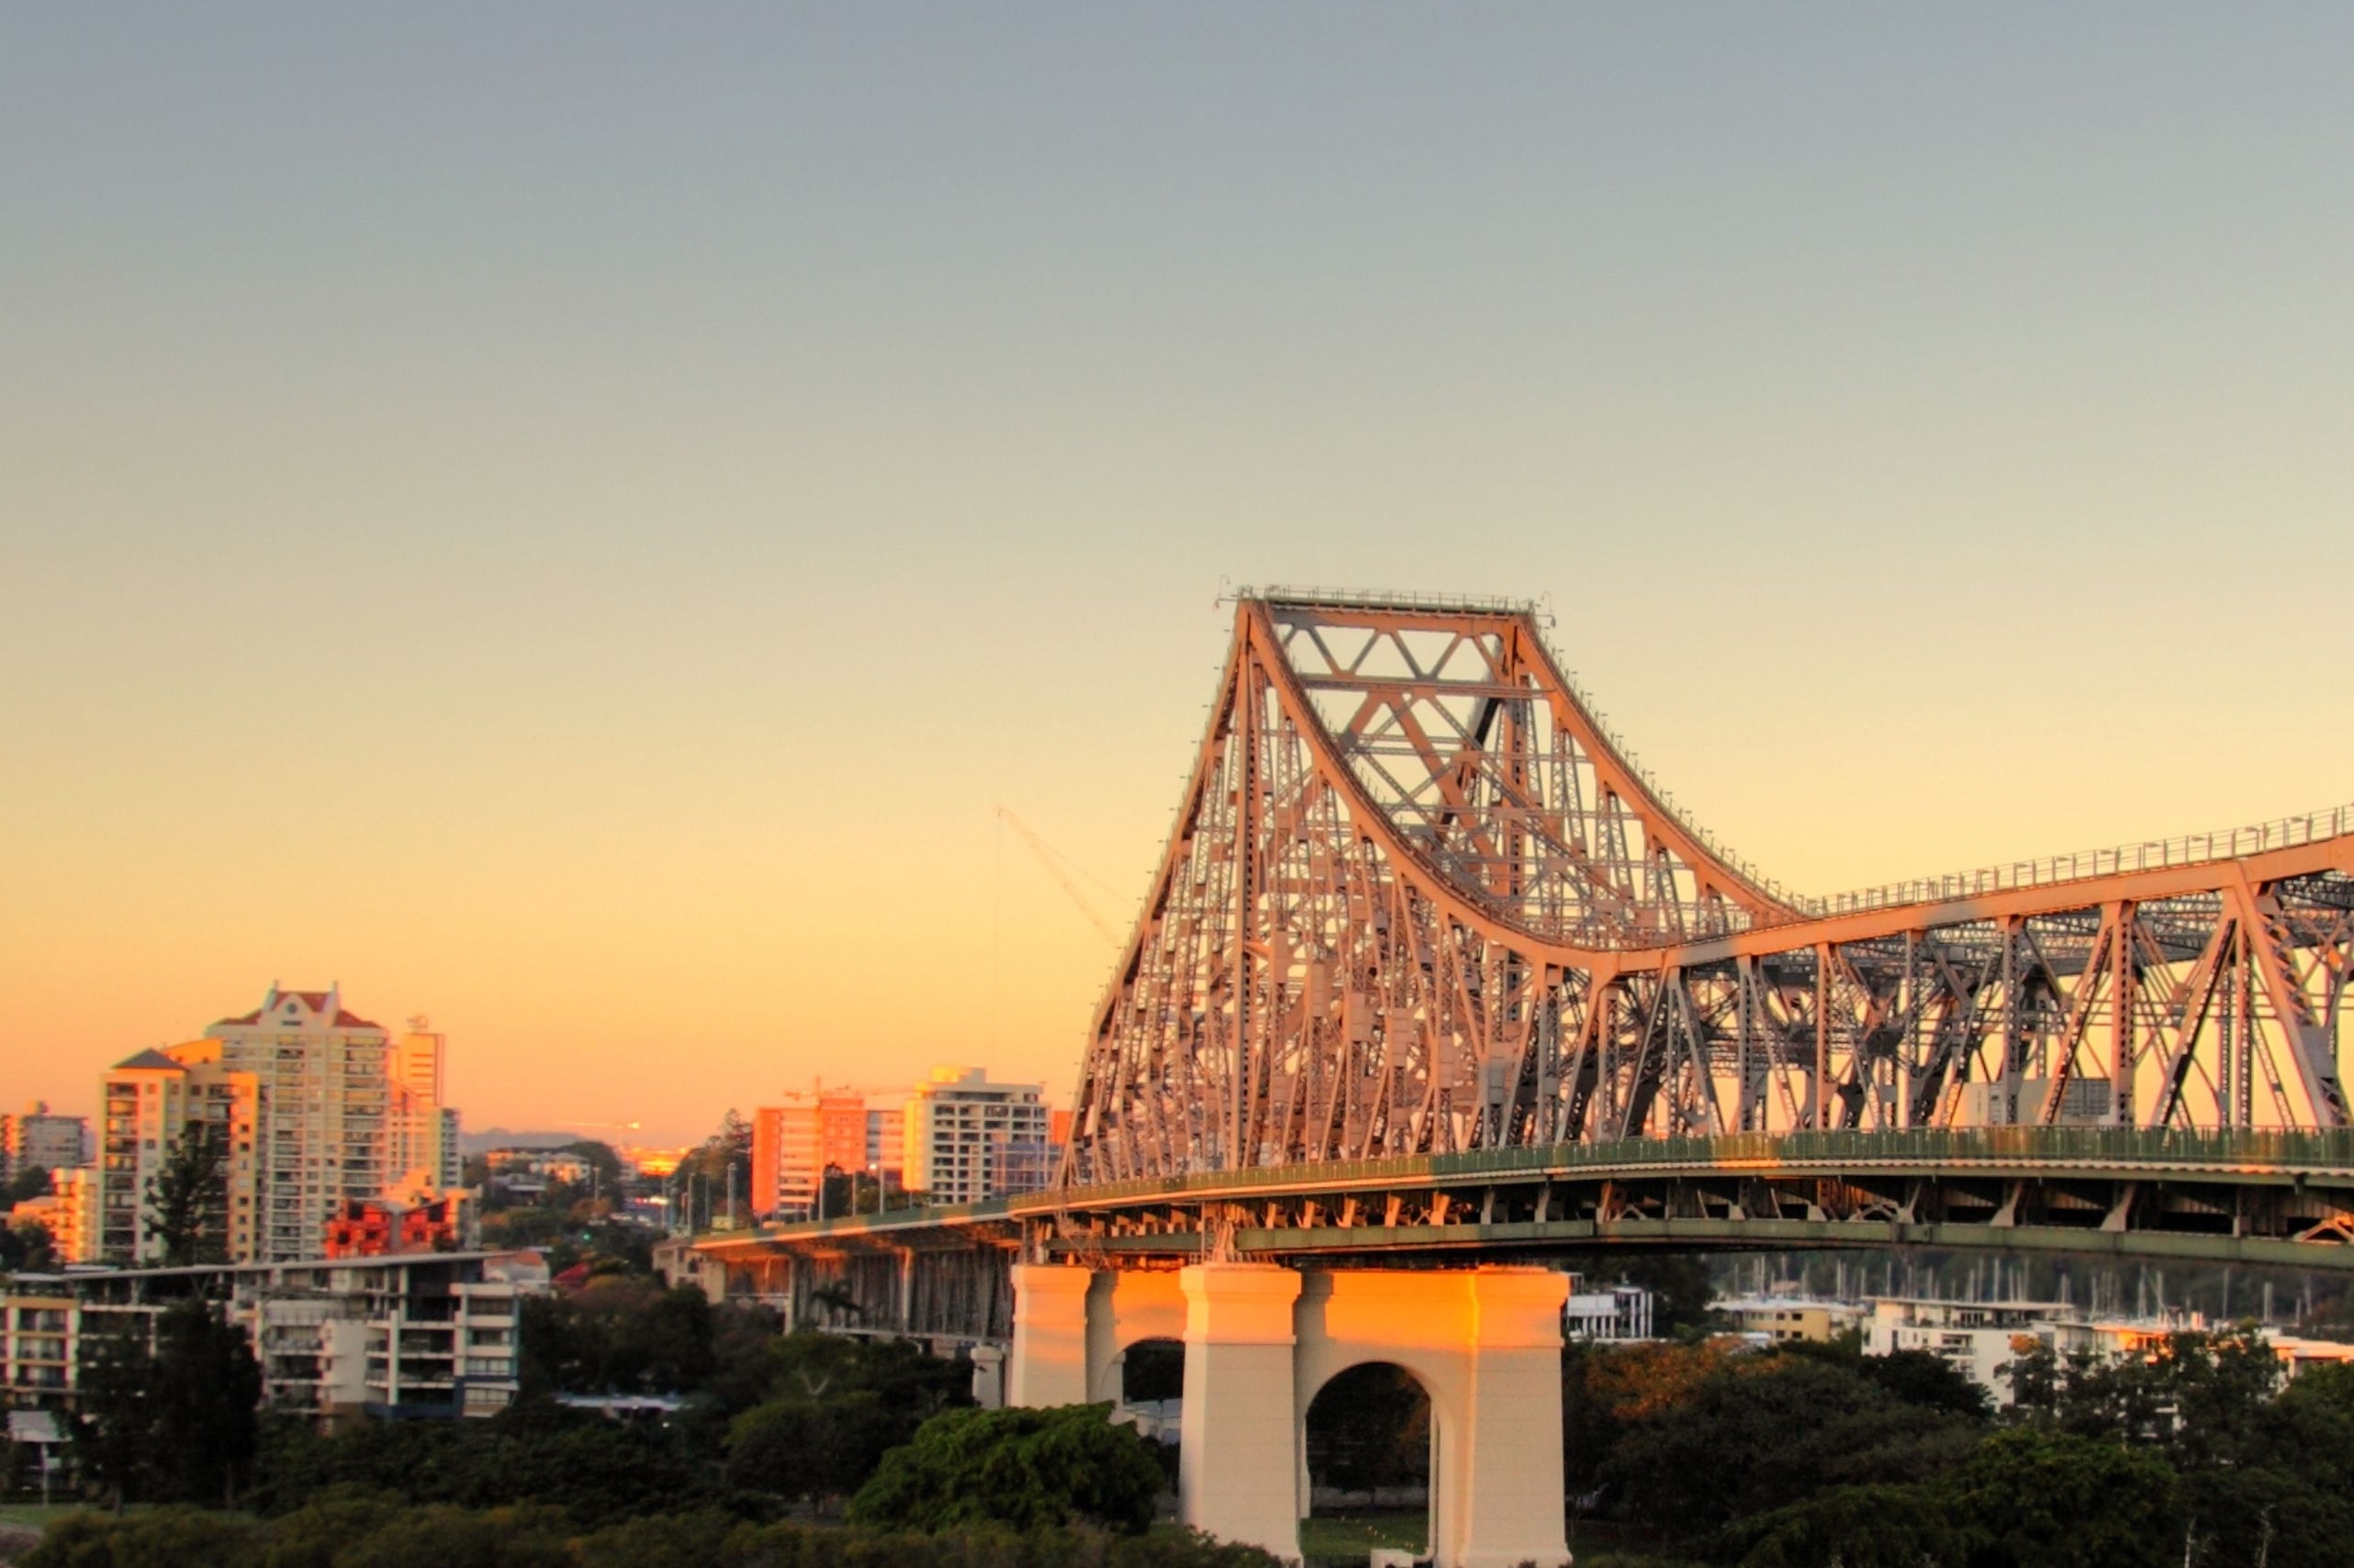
x=1048, y=1364
x=1507, y=1472
x=1236, y=1476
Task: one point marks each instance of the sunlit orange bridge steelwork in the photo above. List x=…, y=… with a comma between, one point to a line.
x=1430, y=969
x=1432, y=975
x=1419, y=900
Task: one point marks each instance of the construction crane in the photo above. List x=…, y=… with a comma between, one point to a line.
x=818, y=1088
x=1052, y=860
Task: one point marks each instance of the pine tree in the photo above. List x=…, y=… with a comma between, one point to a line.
x=187, y=1195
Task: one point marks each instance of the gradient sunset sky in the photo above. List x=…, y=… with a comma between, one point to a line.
x=568, y=519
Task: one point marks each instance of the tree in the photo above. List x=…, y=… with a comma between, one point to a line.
x=721, y=1167
x=618, y=1335
x=113, y=1434
x=26, y=1247
x=1854, y=1527
x=2222, y=1383
x=535, y=1453
x=188, y=1196
x=1929, y=1381
x=1681, y=1289
x=1025, y=1470
x=601, y=1160
x=33, y=1181
x=2264, y=1519
x=160, y=1537
x=1766, y=1432
x=207, y=1395
x=2052, y=1499
x=176, y=1422
x=774, y=1447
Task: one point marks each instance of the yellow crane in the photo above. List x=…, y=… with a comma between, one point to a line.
x=1049, y=859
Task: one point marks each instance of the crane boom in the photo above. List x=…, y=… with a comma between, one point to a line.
x=1048, y=858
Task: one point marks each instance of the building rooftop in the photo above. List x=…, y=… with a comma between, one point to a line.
x=315, y=1002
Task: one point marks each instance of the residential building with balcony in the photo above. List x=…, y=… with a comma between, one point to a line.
x=795, y=1143
x=967, y=1139
x=152, y=1103
x=432, y=1334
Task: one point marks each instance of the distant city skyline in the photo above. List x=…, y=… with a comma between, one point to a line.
x=575, y=532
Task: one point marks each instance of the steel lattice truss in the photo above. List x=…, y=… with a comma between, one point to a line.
x=1418, y=901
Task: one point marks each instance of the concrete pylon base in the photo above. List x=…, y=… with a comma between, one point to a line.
x=1048, y=1364
x=1234, y=1474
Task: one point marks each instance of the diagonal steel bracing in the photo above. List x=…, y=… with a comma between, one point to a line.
x=1418, y=901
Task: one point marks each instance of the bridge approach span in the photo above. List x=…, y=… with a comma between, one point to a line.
x=2242, y=1197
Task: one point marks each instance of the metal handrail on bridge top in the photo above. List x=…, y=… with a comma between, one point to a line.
x=2331, y=1149
x=2152, y=855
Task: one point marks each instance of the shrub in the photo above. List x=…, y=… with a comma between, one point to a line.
x=670, y=1541
x=442, y=1537
x=164, y=1537
x=311, y=1535
x=1025, y=1470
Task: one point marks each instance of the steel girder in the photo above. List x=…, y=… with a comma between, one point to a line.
x=1418, y=901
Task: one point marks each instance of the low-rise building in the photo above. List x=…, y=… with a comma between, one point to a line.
x=363, y=1229
x=1780, y=1319
x=429, y=1334
x=1976, y=1338
x=1609, y=1312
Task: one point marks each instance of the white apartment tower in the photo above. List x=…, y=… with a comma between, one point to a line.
x=323, y=1073
x=968, y=1139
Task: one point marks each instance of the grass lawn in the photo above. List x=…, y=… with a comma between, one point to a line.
x=34, y=1514
x=1344, y=1538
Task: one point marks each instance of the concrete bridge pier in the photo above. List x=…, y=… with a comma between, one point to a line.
x=1263, y=1341
x=1047, y=1364
x=1238, y=1444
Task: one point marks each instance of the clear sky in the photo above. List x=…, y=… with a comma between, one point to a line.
x=568, y=519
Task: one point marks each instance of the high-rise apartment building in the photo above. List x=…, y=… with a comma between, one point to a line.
x=324, y=1078
x=152, y=1103
x=69, y=1212
x=795, y=1143
x=424, y=1159
x=967, y=1139
x=35, y=1138
x=315, y=1107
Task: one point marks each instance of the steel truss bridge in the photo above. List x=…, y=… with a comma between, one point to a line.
x=1430, y=965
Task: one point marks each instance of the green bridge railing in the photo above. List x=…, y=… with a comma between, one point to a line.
x=2263, y=1149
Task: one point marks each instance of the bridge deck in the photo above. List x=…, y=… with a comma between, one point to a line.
x=2244, y=1196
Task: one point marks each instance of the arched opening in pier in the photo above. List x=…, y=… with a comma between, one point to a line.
x=1152, y=1371
x=1370, y=1443
x=1151, y=1392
